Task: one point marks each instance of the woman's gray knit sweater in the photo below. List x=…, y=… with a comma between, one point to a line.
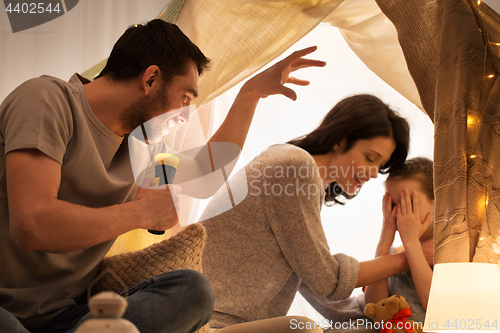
x=258, y=253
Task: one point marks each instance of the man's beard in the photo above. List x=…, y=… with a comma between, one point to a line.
x=141, y=112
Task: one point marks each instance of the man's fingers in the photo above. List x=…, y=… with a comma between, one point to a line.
x=303, y=63
x=288, y=93
x=155, y=182
x=301, y=53
x=295, y=59
x=296, y=81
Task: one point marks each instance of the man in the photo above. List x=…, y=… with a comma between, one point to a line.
x=68, y=191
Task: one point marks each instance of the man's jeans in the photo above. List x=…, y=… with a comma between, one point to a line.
x=178, y=301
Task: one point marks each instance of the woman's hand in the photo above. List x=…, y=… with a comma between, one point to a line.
x=408, y=218
x=272, y=80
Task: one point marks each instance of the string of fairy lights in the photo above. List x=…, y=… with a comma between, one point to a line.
x=473, y=120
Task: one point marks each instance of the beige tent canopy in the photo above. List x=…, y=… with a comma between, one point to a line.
x=442, y=55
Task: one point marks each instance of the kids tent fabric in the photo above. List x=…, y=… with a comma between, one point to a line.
x=452, y=53
x=440, y=55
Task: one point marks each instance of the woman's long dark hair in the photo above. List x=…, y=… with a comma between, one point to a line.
x=360, y=117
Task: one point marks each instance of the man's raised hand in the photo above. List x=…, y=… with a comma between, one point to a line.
x=272, y=80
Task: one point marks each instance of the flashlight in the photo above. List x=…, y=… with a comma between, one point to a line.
x=165, y=168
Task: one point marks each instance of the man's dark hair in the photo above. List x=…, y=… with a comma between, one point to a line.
x=154, y=43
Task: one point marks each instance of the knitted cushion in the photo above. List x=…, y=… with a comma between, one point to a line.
x=180, y=251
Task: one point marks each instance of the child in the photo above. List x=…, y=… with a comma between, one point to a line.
x=408, y=207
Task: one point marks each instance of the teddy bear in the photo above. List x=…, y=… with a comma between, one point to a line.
x=392, y=313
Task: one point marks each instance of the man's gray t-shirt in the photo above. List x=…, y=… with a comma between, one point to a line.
x=54, y=117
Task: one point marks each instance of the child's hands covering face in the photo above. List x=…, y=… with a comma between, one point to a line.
x=408, y=218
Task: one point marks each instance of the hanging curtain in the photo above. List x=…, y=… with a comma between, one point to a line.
x=452, y=55
x=243, y=36
x=374, y=39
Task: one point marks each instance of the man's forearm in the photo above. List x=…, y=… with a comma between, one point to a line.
x=39, y=221
x=231, y=135
x=235, y=127
x=63, y=227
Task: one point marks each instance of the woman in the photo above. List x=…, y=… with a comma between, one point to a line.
x=261, y=252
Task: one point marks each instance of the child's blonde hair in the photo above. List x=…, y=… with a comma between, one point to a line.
x=419, y=169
